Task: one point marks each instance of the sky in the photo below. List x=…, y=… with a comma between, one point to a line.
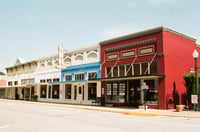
x=34, y=28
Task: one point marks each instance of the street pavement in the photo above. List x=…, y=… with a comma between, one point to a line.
x=123, y=110
x=25, y=116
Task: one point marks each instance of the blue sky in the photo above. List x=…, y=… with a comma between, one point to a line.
x=34, y=28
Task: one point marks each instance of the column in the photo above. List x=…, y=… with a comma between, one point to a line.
x=141, y=92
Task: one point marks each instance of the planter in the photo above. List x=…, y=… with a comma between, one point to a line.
x=179, y=108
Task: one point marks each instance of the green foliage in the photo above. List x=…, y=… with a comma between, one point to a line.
x=190, y=83
x=1, y=73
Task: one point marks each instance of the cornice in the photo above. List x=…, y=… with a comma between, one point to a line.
x=145, y=32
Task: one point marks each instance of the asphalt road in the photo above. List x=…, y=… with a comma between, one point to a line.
x=21, y=117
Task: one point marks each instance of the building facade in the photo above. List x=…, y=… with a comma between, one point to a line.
x=21, y=80
x=146, y=67
x=82, y=65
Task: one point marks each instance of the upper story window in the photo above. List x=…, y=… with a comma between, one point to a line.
x=142, y=68
x=9, y=83
x=68, y=77
x=79, y=76
x=92, y=75
x=16, y=83
x=49, y=80
x=56, y=80
x=42, y=81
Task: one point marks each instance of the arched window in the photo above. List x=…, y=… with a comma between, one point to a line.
x=92, y=55
x=67, y=60
x=79, y=58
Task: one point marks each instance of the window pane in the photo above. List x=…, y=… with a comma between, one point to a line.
x=121, y=71
x=136, y=69
x=115, y=71
x=108, y=71
x=68, y=91
x=92, y=91
x=152, y=93
x=154, y=67
x=129, y=70
x=68, y=77
x=144, y=68
x=43, y=91
x=92, y=75
x=56, y=91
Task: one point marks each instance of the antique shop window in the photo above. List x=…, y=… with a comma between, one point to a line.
x=55, y=91
x=68, y=91
x=92, y=91
x=43, y=91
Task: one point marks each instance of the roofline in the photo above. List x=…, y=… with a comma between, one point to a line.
x=145, y=32
x=34, y=61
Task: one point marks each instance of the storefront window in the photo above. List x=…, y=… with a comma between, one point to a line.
x=116, y=92
x=152, y=93
x=56, y=91
x=68, y=91
x=92, y=91
x=43, y=91
x=75, y=92
x=49, y=91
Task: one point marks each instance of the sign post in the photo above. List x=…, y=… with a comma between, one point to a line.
x=145, y=88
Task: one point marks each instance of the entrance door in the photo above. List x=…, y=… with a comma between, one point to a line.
x=79, y=93
x=134, y=93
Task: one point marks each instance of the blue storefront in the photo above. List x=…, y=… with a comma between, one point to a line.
x=76, y=87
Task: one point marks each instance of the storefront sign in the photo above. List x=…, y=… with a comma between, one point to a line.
x=194, y=99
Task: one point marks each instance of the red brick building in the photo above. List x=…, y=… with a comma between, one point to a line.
x=155, y=59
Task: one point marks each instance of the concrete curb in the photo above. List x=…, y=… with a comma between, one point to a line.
x=106, y=109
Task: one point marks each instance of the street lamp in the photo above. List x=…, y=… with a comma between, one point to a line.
x=195, y=56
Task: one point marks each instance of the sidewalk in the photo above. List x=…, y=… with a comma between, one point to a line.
x=127, y=111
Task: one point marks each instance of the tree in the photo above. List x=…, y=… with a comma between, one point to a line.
x=190, y=82
x=1, y=73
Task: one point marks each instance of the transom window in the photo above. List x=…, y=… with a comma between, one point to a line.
x=79, y=76
x=142, y=68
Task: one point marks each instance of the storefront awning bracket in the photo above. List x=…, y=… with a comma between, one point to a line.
x=131, y=64
x=150, y=62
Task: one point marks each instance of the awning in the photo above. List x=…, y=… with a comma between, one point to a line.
x=150, y=76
